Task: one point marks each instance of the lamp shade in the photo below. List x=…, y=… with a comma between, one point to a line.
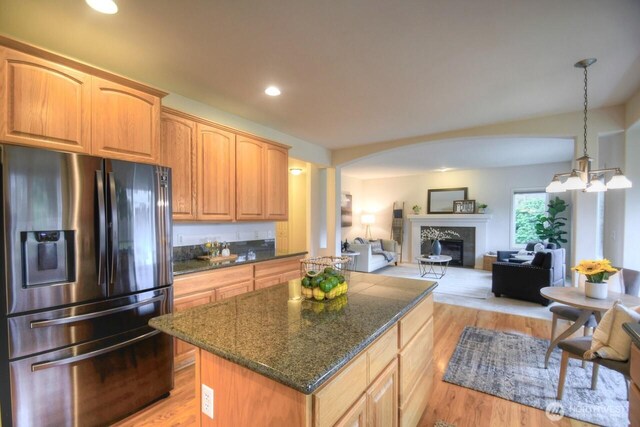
x=555, y=187
x=368, y=219
x=574, y=182
x=596, y=186
x=619, y=181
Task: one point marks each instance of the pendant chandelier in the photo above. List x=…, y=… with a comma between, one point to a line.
x=583, y=177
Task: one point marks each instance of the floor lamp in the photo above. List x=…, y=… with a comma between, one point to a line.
x=367, y=220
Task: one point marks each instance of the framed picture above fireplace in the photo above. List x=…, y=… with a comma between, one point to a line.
x=441, y=200
x=464, y=206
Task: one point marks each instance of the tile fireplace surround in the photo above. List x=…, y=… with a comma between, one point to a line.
x=478, y=221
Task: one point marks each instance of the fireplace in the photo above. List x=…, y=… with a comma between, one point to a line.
x=461, y=249
x=474, y=243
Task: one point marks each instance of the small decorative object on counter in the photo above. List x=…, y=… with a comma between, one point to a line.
x=482, y=208
x=416, y=209
x=324, y=278
x=597, y=273
x=225, y=249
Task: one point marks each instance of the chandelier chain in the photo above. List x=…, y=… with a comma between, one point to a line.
x=585, y=111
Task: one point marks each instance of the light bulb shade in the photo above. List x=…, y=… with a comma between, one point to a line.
x=555, y=187
x=574, y=182
x=108, y=7
x=596, y=186
x=367, y=219
x=619, y=181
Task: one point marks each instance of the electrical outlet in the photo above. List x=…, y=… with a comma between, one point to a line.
x=207, y=401
x=179, y=238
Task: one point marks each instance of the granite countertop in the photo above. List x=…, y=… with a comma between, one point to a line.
x=196, y=265
x=298, y=343
x=633, y=329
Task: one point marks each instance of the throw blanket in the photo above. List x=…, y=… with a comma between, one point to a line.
x=387, y=255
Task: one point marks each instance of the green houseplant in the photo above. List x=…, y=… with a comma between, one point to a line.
x=550, y=226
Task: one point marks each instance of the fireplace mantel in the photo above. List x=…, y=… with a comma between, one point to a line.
x=478, y=221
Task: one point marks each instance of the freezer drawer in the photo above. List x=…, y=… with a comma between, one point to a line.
x=92, y=384
x=49, y=330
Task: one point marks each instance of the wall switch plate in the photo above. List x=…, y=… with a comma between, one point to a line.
x=207, y=401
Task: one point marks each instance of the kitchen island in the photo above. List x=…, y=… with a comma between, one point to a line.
x=274, y=361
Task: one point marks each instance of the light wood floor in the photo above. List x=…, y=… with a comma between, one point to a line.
x=454, y=404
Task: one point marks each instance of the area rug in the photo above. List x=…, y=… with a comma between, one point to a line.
x=511, y=366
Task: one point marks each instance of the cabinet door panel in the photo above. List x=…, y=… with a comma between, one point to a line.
x=356, y=416
x=216, y=174
x=233, y=290
x=277, y=183
x=250, y=176
x=125, y=122
x=44, y=104
x=178, y=151
x=382, y=399
x=265, y=282
x=181, y=304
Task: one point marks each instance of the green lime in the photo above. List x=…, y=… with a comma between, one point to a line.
x=340, y=278
x=306, y=282
x=326, y=285
x=315, y=282
x=334, y=281
x=329, y=270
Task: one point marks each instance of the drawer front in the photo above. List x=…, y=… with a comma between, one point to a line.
x=277, y=267
x=335, y=398
x=233, y=290
x=635, y=364
x=413, y=321
x=414, y=359
x=413, y=408
x=382, y=352
x=198, y=282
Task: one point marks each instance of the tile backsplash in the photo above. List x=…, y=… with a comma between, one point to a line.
x=193, y=234
x=262, y=248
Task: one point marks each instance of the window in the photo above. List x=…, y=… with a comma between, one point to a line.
x=526, y=206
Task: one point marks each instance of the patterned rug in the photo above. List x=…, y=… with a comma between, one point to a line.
x=511, y=366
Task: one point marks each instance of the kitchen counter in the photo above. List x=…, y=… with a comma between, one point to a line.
x=196, y=265
x=300, y=344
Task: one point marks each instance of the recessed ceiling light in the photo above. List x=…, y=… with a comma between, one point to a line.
x=272, y=91
x=295, y=171
x=103, y=6
x=443, y=169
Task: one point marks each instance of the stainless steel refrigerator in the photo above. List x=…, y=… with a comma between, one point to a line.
x=86, y=251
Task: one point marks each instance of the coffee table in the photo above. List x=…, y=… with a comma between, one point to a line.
x=427, y=265
x=575, y=297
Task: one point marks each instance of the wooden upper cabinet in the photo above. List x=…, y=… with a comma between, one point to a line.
x=216, y=174
x=44, y=104
x=125, y=122
x=250, y=179
x=277, y=182
x=178, y=151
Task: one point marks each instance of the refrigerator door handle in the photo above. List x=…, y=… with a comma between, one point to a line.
x=71, y=319
x=102, y=232
x=45, y=365
x=114, y=225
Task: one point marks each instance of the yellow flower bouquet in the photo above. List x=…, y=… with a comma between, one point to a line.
x=597, y=271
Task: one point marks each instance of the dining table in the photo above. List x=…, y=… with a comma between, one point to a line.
x=575, y=297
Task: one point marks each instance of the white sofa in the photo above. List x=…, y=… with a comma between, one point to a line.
x=367, y=261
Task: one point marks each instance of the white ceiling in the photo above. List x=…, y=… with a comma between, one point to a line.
x=461, y=155
x=355, y=71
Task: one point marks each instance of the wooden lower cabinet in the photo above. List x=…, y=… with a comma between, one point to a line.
x=382, y=399
x=356, y=416
x=270, y=273
x=233, y=290
x=183, y=352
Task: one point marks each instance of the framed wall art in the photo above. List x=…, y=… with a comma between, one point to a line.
x=441, y=200
x=346, y=213
x=464, y=206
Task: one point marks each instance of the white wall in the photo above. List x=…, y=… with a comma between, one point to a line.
x=611, y=154
x=491, y=186
x=631, y=256
x=353, y=186
x=194, y=233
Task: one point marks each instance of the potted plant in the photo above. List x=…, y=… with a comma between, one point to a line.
x=482, y=207
x=416, y=209
x=597, y=273
x=549, y=227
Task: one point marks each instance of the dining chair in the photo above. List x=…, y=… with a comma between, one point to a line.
x=574, y=348
x=630, y=281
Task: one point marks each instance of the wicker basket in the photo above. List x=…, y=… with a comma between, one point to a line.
x=317, y=264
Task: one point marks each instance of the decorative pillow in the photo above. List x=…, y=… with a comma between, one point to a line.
x=538, y=247
x=376, y=245
x=538, y=259
x=609, y=340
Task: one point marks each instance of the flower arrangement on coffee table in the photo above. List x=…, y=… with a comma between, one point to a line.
x=596, y=271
